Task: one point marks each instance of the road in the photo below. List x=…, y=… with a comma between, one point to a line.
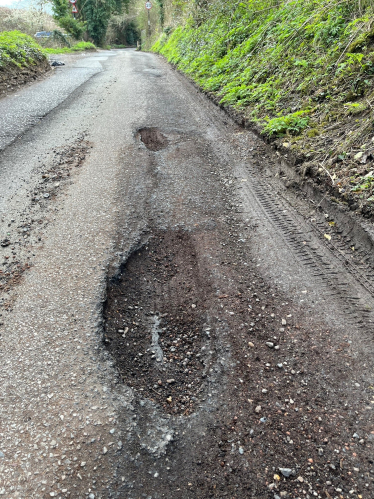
x=180, y=317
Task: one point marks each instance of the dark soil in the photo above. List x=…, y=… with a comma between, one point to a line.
x=13, y=78
x=160, y=291
x=267, y=408
x=153, y=139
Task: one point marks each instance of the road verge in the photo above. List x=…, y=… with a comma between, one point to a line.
x=21, y=60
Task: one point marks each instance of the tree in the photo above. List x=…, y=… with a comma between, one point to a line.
x=97, y=14
x=62, y=14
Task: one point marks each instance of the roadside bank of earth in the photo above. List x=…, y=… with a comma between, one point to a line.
x=21, y=61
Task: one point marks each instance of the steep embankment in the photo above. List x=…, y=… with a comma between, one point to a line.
x=301, y=73
x=21, y=60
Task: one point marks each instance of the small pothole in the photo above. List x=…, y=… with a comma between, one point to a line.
x=153, y=139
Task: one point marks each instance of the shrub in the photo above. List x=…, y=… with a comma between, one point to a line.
x=18, y=49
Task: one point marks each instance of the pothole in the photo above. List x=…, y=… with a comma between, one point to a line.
x=156, y=325
x=153, y=139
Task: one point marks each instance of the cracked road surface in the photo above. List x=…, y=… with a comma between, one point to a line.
x=174, y=321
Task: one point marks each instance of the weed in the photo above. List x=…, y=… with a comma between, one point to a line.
x=18, y=49
x=292, y=124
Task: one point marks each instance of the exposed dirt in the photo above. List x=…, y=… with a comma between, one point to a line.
x=230, y=361
x=13, y=78
x=25, y=234
x=256, y=370
x=153, y=139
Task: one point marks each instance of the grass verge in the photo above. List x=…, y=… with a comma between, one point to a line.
x=78, y=47
x=301, y=73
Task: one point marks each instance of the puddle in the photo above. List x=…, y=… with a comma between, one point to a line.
x=156, y=321
x=153, y=139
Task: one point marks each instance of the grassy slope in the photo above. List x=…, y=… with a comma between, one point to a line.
x=18, y=50
x=300, y=72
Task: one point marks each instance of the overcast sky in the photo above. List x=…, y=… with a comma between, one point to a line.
x=16, y=3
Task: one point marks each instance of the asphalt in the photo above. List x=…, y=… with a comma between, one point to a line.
x=23, y=109
x=80, y=195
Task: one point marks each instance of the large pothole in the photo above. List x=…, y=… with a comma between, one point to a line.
x=153, y=139
x=156, y=322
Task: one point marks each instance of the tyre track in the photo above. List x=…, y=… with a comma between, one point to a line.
x=329, y=267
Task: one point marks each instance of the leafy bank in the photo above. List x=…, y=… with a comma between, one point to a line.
x=300, y=73
x=21, y=59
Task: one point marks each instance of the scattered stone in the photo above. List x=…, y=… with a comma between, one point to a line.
x=277, y=347
x=269, y=344
x=91, y=496
x=105, y=450
x=286, y=472
x=170, y=381
x=46, y=195
x=280, y=366
x=241, y=450
x=250, y=344
x=258, y=409
x=284, y=322
x=300, y=479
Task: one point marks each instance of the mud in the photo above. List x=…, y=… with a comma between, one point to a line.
x=12, y=79
x=153, y=139
x=155, y=318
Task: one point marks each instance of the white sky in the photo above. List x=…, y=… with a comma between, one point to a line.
x=16, y=3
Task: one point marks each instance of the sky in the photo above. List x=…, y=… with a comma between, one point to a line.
x=16, y=3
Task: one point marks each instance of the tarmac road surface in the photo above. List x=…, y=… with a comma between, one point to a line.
x=178, y=318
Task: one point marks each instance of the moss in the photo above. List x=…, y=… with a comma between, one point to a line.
x=313, y=132
x=362, y=41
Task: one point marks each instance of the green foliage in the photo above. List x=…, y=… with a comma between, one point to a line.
x=93, y=17
x=72, y=26
x=291, y=123
x=97, y=14
x=60, y=8
x=265, y=56
x=78, y=47
x=62, y=14
x=366, y=183
x=18, y=49
x=123, y=31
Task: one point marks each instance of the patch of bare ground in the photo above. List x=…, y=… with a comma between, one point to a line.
x=269, y=401
x=13, y=78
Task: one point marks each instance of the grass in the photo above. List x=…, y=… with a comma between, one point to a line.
x=303, y=70
x=79, y=47
x=19, y=50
